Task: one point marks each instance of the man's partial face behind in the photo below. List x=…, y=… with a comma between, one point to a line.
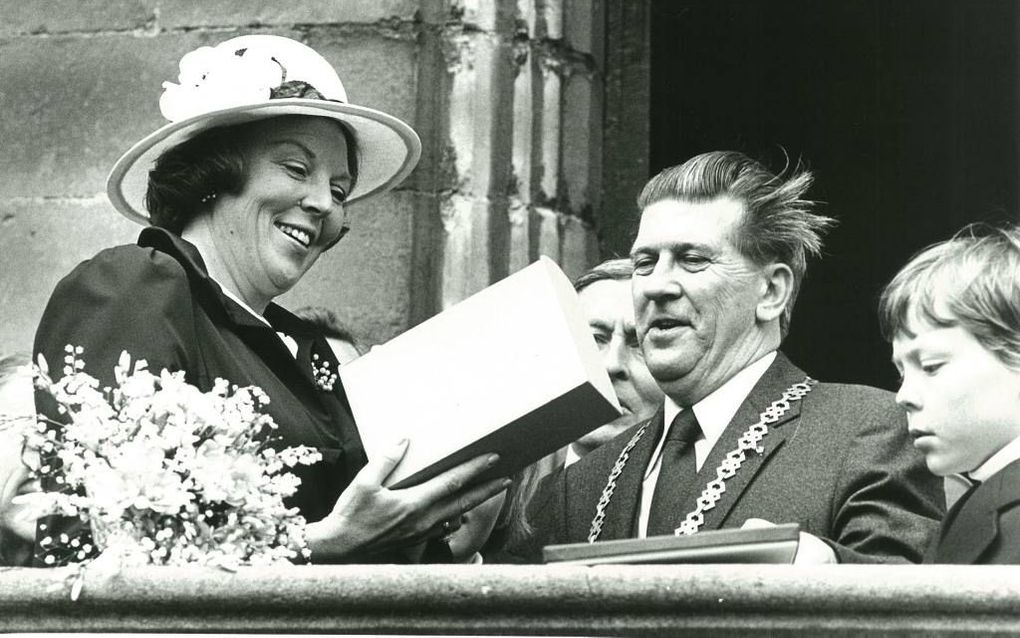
x=695, y=296
x=607, y=304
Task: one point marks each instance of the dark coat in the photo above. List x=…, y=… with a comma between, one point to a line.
x=156, y=301
x=983, y=526
x=839, y=463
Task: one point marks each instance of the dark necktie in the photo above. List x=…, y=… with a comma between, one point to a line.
x=677, y=472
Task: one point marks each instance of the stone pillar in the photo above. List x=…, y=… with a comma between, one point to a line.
x=627, y=99
x=515, y=137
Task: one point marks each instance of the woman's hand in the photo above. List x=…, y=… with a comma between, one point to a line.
x=369, y=518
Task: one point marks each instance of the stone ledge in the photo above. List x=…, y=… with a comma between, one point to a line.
x=560, y=600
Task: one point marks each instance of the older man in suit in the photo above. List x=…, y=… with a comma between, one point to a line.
x=743, y=437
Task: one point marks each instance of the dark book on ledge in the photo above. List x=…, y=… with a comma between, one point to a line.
x=757, y=545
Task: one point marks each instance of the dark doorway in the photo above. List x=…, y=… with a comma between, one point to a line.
x=905, y=110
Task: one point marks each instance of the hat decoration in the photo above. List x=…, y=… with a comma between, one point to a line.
x=217, y=78
x=256, y=77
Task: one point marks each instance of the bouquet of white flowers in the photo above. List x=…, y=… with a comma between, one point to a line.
x=163, y=473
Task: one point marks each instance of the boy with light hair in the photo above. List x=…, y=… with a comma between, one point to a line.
x=953, y=317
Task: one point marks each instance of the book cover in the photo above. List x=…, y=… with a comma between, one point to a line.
x=776, y=544
x=512, y=369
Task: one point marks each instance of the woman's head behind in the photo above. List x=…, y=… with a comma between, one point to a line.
x=17, y=410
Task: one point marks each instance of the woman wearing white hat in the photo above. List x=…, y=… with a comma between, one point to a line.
x=242, y=192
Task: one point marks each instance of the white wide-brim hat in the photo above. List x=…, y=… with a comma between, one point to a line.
x=233, y=83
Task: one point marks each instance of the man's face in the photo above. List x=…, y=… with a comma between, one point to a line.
x=610, y=311
x=962, y=401
x=695, y=296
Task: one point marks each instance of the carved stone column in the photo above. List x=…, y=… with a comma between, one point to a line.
x=513, y=124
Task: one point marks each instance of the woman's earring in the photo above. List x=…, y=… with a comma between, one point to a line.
x=208, y=197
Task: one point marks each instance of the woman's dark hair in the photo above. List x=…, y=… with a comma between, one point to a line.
x=212, y=162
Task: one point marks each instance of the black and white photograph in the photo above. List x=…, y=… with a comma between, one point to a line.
x=510, y=317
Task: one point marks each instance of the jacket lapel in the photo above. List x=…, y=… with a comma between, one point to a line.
x=968, y=529
x=972, y=525
x=778, y=378
x=622, y=512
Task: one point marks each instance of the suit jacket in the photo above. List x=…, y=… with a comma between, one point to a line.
x=839, y=463
x=983, y=527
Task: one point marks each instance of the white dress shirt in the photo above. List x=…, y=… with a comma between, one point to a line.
x=1006, y=455
x=571, y=456
x=714, y=413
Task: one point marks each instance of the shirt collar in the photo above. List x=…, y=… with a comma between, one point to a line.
x=226, y=291
x=189, y=257
x=289, y=341
x=571, y=456
x=1006, y=455
x=716, y=410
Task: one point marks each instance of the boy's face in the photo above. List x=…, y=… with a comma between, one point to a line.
x=962, y=402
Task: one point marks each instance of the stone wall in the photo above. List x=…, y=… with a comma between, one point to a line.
x=506, y=94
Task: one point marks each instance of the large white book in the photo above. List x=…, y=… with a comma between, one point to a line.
x=513, y=369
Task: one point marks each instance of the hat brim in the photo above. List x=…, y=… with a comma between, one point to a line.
x=388, y=149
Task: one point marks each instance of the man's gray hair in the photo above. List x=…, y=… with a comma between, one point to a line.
x=779, y=225
x=614, y=269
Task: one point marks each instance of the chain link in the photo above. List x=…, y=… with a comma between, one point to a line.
x=607, y=493
x=749, y=440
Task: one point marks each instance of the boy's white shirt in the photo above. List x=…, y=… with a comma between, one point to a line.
x=1006, y=455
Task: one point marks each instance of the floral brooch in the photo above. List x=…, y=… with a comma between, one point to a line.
x=323, y=373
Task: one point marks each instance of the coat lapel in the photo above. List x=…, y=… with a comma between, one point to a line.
x=972, y=525
x=778, y=378
x=622, y=512
x=968, y=529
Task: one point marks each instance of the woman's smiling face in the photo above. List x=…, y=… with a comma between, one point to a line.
x=290, y=209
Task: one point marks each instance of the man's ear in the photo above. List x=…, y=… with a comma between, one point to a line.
x=777, y=289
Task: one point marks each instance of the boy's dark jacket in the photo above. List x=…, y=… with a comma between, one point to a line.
x=983, y=526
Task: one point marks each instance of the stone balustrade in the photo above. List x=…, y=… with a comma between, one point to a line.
x=521, y=600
